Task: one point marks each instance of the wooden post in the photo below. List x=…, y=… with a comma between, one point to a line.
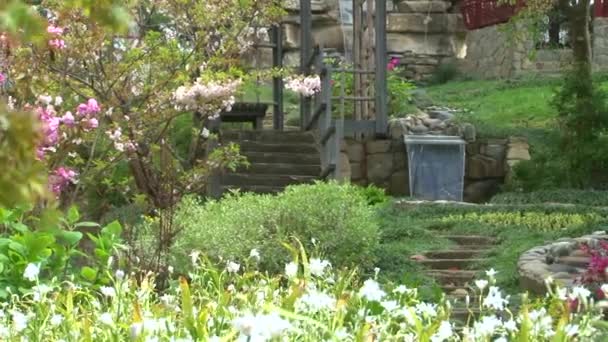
x=381, y=102
x=305, y=49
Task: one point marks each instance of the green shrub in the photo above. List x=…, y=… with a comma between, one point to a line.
x=444, y=73
x=374, y=195
x=570, y=196
x=337, y=217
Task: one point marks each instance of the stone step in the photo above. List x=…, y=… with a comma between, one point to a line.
x=291, y=158
x=452, y=277
x=268, y=136
x=469, y=240
x=244, y=179
x=282, y=169
x=444, y=264
x=455, y=253
x=255, y=146
x=258, y=189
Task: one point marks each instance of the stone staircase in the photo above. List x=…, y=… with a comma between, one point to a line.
x=277, y=159
x=454, y=270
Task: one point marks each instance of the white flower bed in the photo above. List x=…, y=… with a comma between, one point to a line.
x=311, y=303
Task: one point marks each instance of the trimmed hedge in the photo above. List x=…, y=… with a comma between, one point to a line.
x=569, y=196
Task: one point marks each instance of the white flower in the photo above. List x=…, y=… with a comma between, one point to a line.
x=106, y=318
x=232, y=267
x=495, y=300
x=31, y=272
x=426, y=309
x=170, y=269
x=501, y=339
x=261, y=327
x=390, y=305
x=371, y=291
x=194, y=255
x=562, y=293
x=58, y=100
x=45, y=99
x=39, y=291
x=443, y=333
x=314, y=301
x=291, y=269
x=549, y=280
x=19, y=320
x=481, y=284
x=579, y=292
x=205, y=133
x=254, y=254
x=108, y=291
x=401, y=289
x=231, y=288
x=486, y=326
x=120, y=274
x=318, y=266
x=510, y=325
x=491, y=273
x=56, y=320
x=571, y=330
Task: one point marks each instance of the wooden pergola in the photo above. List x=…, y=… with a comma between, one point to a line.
x=369, y=98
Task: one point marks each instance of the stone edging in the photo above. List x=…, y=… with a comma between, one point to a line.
x=562, y=260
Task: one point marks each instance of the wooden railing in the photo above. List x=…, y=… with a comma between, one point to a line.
x=330, y=131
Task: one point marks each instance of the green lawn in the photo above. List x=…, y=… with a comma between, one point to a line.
x=501, y=107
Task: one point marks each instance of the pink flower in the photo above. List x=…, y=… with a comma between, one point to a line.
x=68, y=119
x=2, y=78
x=57, y=43
x=55, y=30
x=91, y=123
x=89, y=108
x=61, y=178
x=93, y=106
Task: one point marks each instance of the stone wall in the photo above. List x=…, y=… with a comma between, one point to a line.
x=489, y=54
x=384, y=164
x=425, y=33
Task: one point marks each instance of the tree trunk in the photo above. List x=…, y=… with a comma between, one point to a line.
x=580, y=38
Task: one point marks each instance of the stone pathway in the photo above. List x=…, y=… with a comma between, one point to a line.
x=453, y=269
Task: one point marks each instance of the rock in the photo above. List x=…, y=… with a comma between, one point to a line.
x=379, y=166
x=427, y=44
x=423, y=6
x=481, y=191
x=423, y=23
x=355, y=151
x=469, y=132
x=315, y=5
x=419, y=129
x=377, y=146
x=431, y=122
x=480, y=167
x=397, y=128
x=442, y=115
x=459, y=293
x=494, y=151
x=561, y=249
x=344, y=172
x=356, y=171
x=454, y=130
x=418, y=257
x=400, y=160
x=399, y=184
x=518, y=152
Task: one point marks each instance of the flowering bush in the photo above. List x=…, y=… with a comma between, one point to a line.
x=306, y=86
x=310, y=301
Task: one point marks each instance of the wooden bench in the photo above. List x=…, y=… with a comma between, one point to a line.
x=246, y=112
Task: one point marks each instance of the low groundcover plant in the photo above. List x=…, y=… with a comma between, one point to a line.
x=310, y=301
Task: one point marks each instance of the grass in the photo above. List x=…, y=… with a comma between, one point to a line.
x=409, y=230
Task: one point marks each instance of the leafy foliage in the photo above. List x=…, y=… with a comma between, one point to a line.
x=569, y=196
x=58, y=245
x=337, y=217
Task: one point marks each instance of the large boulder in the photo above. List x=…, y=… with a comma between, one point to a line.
x=425, y=23
x=423, y=6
